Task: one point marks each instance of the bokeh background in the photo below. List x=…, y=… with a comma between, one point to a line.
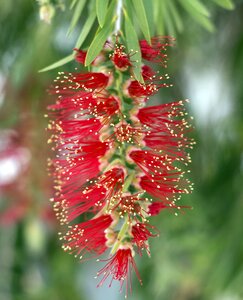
x=199, y=255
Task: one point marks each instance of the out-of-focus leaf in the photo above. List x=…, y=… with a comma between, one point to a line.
x=175, y=15
x=205, y=22
x=77, y=13
x=142, y=18
x=227, y=4
x=101, y=10
x=86, y=29
x=73, y=3
x=168, y=20
x=198, y=16
x=59, y=63
x=197, y=6
x=133, y=47
x=101, y=36
x=159, y=22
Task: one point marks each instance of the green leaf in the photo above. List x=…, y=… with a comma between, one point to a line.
x=101, y=36
x=205, y=22
x=142, y=18
x=59, y=63
x=86, y=29
x=72, y=4
x=133, y=46
x=198, y=16
x=149, y=9
x=175, y=15
x=159, y=22
x=196, y=6
x=168, y=20
x=227, y=4
x=101, y=10
x=76, y=15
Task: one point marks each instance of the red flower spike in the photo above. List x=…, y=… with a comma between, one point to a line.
x=111, y=151
x=87, y=237
x=119, y=268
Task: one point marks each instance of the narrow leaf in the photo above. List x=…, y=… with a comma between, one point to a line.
x=101, y=36
x=142, y=18
x=205, y=22
x=86, y=29
x=227, y=4
x=72, y=4
x=196, y=6
x=159, y=22
x=197, y=16
x=59, y=63
x=168, y=20
x=133, y=47
x=175, y=15
x=149, y=9
x=77, y=13
x=101, y=10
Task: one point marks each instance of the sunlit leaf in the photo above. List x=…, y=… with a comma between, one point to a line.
x=101, y=36
x=101, y=10
x=86, y=29
x=59, y=63
x=133, y=47
x=142, y=18
x=228, y=4
x=77, y=13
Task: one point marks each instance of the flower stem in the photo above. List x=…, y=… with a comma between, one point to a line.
x=121, y=234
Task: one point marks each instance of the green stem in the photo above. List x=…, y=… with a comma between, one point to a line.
x=121, y=234
x=128, y=181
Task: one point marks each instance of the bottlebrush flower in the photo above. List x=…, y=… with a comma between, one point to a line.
x=117, y=162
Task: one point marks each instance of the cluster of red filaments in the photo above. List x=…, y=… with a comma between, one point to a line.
x=118, y=162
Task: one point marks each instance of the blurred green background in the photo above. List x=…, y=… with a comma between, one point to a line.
x=199, y=255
